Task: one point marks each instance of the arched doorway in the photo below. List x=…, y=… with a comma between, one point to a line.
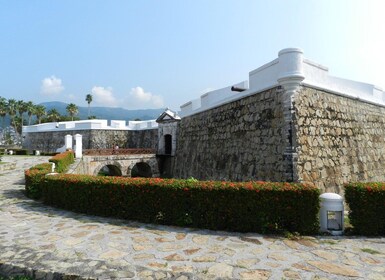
x=110, y=170
x=168, y=144
x=141, y=169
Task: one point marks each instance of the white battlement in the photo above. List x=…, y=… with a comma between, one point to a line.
x=91, y=124
x=290, y=70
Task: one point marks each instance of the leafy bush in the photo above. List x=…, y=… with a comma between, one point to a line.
x=21, y=152
x=367, y=207
x=34, y=178
x=63, y=161
x=247, y=206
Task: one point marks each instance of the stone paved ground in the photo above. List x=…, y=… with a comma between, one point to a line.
x=51, y=243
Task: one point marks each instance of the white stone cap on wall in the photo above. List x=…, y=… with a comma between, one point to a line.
x=91, y=124
x=290, y=70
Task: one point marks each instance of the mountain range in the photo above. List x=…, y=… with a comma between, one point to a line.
x=106, y=113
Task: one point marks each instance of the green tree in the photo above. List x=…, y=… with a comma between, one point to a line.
x=39, y=112
x=72, y=110
x=3, y=110
x=12, y=110
x=89, y=100
x=21, y=109
x=30, y=111
x=53, y=115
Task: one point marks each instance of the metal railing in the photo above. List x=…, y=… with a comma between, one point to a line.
x=107, y=152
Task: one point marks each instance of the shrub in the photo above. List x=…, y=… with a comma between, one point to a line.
x=62, y=161
x=34, y=178
x=367, y=207
x=21, y=152
x=248, y=206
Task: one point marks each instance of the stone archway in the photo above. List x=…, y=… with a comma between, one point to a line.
x=110, y=170
x=141, y=169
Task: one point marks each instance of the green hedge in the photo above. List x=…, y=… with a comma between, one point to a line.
x=250, y=206
x=34, y=178
x=366, y=202
x=63, y=161
x=36, y=175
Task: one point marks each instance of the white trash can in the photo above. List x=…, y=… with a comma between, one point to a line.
x=332, y=213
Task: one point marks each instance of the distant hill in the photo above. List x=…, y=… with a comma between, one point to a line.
x=107, y=113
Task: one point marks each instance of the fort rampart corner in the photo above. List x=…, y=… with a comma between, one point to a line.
x=290, y=121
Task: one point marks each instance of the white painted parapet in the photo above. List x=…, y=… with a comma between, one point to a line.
x=91, y=124
x=290, y=70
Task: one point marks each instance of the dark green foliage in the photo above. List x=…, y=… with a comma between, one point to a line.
x=16, y=278
x=34, y=178
x=62, y=161
x=249, y=206
x=21, y=152
x=367, y=207
x=36, y=175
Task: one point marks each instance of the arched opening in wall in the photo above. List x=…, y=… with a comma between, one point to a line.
x=110, y=170
x=167, y=144
x=141, y=169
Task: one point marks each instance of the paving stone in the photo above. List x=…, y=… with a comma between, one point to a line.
x=325, y=255
x=221, y=270
x=256, y=274
x=335, y=268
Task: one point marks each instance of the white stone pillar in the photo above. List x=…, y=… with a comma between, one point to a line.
x=68, y=142
x=290, y=69
x=79, y=146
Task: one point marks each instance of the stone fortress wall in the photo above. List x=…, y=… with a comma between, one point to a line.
x=339, y=139
x=96, y=134
x=242, y=140
x=291, y=121
x=294, y=122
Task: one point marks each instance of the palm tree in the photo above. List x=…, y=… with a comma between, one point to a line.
x=3, y=110
x=39, y=112
x=30, y=110
x=53, y=115
x=89, y=100
x=72, y=110
x=21, y=108
x=12, y=109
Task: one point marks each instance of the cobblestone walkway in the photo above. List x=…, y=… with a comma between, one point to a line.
x=50, y=243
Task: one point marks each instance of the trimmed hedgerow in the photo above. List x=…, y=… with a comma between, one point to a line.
x=36, y=174
x=247, y=206
x=63, y=161
x=34, y=178
x=367, y=207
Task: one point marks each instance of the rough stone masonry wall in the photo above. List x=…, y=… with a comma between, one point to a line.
x=92, y=139
x=241, y=140
x=339, y=140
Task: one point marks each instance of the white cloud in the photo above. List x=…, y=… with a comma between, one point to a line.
x=141, y=99
x=104, y=96
x=51, y=85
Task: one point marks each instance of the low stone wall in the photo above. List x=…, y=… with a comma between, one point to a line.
x=92, y=139
x=339, y=140
x=242, y=140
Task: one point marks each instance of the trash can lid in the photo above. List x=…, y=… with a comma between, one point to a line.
x=330, y=196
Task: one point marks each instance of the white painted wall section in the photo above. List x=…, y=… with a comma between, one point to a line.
x=290, y=70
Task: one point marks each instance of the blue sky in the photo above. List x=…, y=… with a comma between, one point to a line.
x=151, y=54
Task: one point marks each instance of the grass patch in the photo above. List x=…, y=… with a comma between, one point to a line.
x=330, y=242
x=16, y=278
x=370, y=251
